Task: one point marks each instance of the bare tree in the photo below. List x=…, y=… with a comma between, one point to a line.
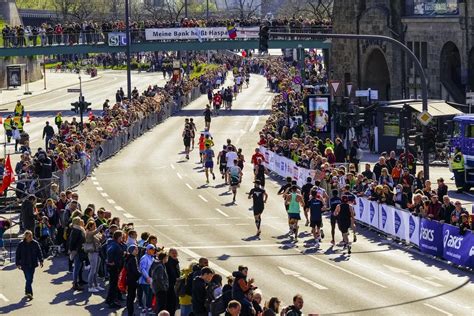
x=153, y=9
x=320, y=10
x=244, y=8
x=63, y=8
x=83, y=10
x=174, y=8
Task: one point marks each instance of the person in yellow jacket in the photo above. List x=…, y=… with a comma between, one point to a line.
x=457, y=165
x=185, y=300
x=58, y=120
x=19, y=109
x=18, y=122
x=8, y=126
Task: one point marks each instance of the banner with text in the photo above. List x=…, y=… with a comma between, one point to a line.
x=198, y=33
x=457, y=248
x=431, y=237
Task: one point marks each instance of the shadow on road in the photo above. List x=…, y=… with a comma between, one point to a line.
x=15, y=307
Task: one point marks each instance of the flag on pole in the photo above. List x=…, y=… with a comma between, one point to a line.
x=8, y=175
x=232, y=31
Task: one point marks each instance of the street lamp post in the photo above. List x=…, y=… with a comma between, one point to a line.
x=418, y=67
x=129, y=43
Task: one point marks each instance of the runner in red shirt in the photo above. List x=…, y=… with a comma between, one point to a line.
x=217, y=102
x=256, y=157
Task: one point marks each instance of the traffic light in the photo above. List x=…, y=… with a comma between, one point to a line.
x=264, y=37
x=75, y=107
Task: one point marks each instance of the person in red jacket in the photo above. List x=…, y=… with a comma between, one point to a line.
x=217, y=102
x=256, y=157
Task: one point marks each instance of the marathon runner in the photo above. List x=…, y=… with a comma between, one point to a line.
x=283, y=191
x=295, y=201
x=333, y=203
x=207, y=117
x=316, y=205
x=256, y=156
x=230, y=157
x=202, y=147
x=210, y=96
x=260, y=172
x=217, y=102
x=193, y=131
x=235, y=176
x=222, y=162
x=306, y=192
x=208, y=155
x=259, y=197
x=187, y=139
x=345, y=219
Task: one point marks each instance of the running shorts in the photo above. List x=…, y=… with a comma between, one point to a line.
x=209, y=164
x=294, y=216
x=317, y=222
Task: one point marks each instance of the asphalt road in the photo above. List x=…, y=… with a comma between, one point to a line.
x=150, y=184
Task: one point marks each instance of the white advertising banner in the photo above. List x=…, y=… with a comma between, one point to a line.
x=414, y=227
x=364, y=208
x=387, y=214
x=374, y=214
x=402, y=224
x=198, y=33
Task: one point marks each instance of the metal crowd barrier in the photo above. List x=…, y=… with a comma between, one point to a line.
x=80, y=170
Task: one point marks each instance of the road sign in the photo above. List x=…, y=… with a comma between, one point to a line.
x=74, y=90
x=374, y=94
x=425, y=118
x=335, y=84
x=349, y=87
x=470, y=98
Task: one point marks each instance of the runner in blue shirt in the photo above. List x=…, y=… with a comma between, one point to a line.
x=208, y=156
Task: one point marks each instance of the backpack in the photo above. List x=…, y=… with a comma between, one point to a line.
x=122, y=280
x=218, y=306
x=180, y=286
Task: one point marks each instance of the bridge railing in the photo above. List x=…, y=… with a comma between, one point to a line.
x=137, y=36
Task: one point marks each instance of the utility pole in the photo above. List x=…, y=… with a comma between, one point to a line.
x=418, y=68
x=129, y=49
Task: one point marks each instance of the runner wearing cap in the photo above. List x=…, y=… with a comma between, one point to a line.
x=259, y=197
x=208, y=156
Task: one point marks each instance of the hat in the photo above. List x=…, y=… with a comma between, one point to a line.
x=150, y=246
x=132, y=248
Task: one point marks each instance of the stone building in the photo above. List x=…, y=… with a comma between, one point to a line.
x=439, y=32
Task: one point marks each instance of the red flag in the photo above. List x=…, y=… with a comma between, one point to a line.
x=8, y=175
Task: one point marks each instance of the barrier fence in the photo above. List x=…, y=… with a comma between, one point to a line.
x=79, y=171
x=431, y=237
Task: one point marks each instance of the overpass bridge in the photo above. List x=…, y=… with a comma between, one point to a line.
x=161, y=46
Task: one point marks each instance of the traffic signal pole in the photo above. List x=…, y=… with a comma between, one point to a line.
x=129, y=50
x=418, y=68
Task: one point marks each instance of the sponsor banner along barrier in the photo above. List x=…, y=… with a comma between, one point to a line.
x=199, y=33
x=431, y=237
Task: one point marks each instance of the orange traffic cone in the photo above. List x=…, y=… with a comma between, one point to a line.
x=27, y=117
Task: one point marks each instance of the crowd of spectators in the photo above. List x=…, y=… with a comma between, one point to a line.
x=392, y=180
x=93, y=32
x=100, y=247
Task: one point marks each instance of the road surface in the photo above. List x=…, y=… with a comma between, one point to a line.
x=150, y=184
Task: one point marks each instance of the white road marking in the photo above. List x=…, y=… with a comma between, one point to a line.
x=202, y=198
x=202, y=225
x=95, y=183
x=190, y=187
x=99, y=188
x=349, y=272
x=179, y=176
x=160, y=225
x=438, y=309
x=118, y=208
x=223, y=224
x=172, y=166
x=4, y=298
x=408, y=273
x=242, y=224
x=93, y=178
x=111, y=201
x=302, y=278
x=104, y=194
x=212, y=265
x=181, y=225
x=237, y=246
x=128, y=215
x=223, y=213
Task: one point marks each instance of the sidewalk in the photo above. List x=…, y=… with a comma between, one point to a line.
x=54, y=81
